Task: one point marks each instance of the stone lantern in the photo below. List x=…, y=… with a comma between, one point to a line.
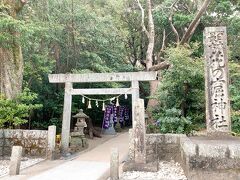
x=78, y=139
x=81, y=122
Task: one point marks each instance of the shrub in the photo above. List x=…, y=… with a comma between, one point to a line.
x=15, y=112
x=181, y=93
x=235, y=96
x=171, y=121
x=182, y=90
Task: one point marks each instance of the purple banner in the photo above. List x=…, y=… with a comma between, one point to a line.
x=122, y=112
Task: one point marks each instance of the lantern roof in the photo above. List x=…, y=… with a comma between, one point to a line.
x=81, y=114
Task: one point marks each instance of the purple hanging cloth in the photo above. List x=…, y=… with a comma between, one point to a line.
x=121, y=114
x=114, y=112
x=106, y=118
x=126, y=114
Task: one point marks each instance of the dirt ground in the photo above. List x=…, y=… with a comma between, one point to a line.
x=46, y=164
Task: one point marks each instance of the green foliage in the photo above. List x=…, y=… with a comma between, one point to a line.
x=69, y=37
x=226, y=13
x=234, y=37
x=175, y=97
x=44, y=124
x=15, y=112
x=181, y=20
x=171, y=121
x=181, y=92
x=182, y=85
x=235, y=96
x=235, y=117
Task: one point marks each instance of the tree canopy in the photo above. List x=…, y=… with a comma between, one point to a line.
x=70, y=36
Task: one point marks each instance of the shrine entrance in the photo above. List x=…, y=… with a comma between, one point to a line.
x=69, y=79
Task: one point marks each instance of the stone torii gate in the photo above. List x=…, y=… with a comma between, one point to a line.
x=69, y=79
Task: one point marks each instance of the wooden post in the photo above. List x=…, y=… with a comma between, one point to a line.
x=51, y=142
x=66, y=118
x=114, y=164
x=139, y=132
x=15, y=161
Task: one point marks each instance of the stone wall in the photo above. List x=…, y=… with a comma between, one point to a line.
x=210, y=159
x=34, y=142
x=203, y=159
x=162, y=147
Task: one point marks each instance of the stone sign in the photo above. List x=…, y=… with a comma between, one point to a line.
x=216, y=80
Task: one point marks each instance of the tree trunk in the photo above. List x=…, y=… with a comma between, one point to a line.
x=11, y=68
x=152, y=103
x=11, y=62
x=151, y=36
x=150, y=33
x=192, y=27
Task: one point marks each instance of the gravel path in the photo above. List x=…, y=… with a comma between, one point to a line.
x=26, y=162
x=167, y=171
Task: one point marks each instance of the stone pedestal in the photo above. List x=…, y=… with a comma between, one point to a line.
x=78, y=141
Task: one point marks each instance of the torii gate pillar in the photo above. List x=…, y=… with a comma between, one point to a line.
x=65, y=134
x=135, y=96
